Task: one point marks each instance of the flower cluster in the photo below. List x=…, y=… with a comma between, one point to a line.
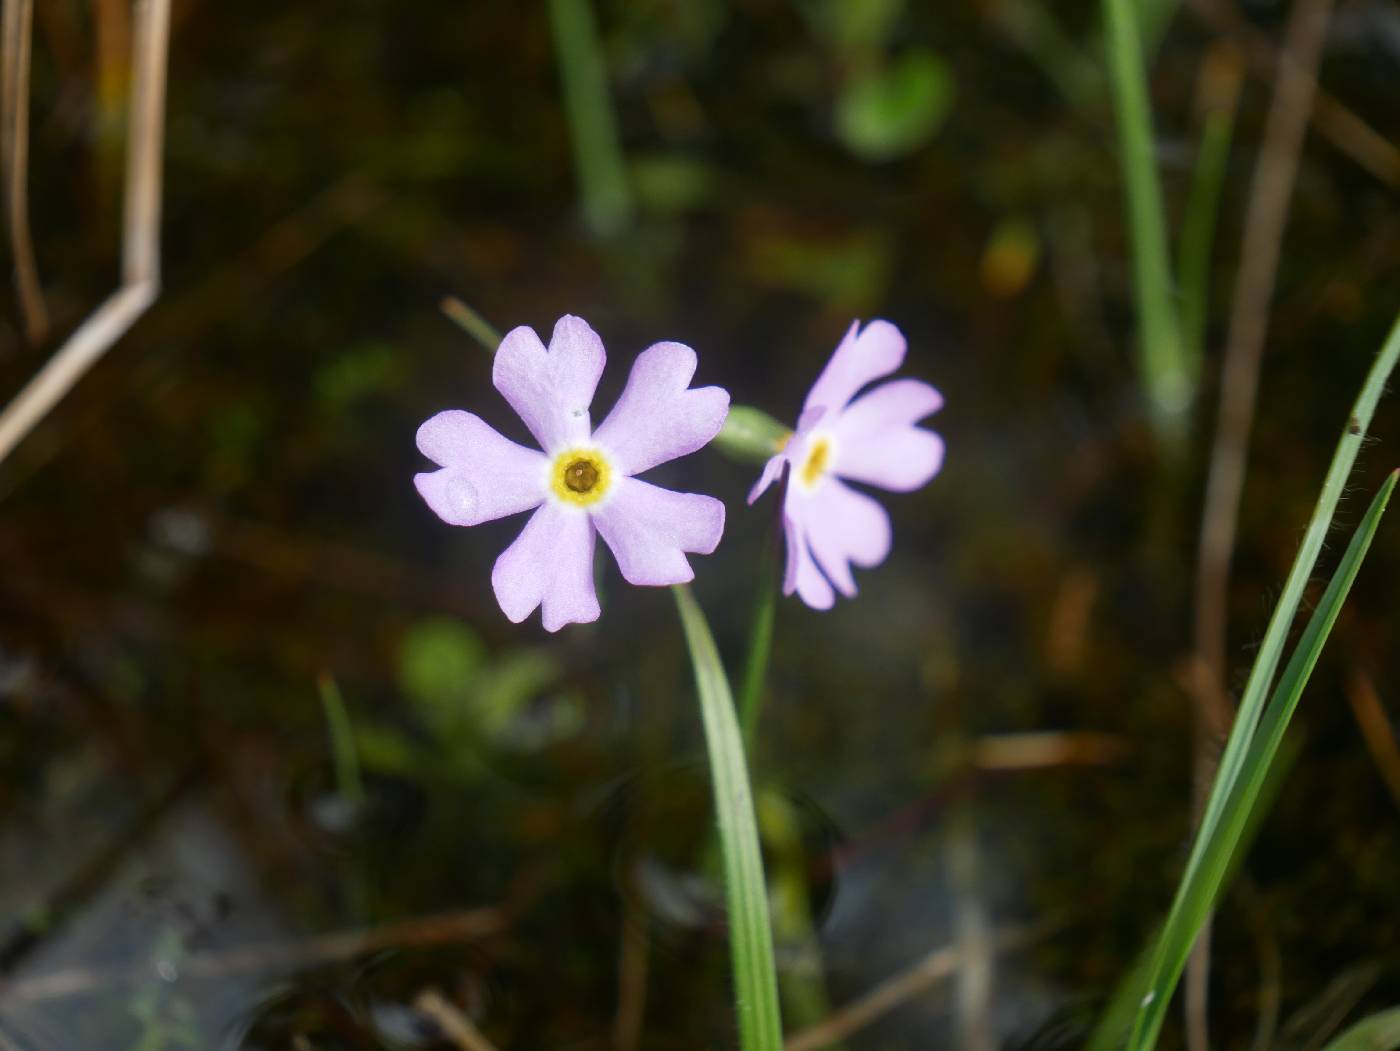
x=581, y=483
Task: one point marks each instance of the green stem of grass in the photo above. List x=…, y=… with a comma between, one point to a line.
x=746, y=892
x=1253, y=742
x=1166, y=378
x=472, y=323
x=765, y=608
x=607, y=200
x=347, y=763
x=1198, y=222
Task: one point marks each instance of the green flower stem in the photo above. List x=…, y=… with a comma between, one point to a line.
x=765, y=608
x=746, y=892
x=1165, y=374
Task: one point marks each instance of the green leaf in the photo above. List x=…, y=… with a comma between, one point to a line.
x=1379, y=1032
x=891, y=112
x=746, y=891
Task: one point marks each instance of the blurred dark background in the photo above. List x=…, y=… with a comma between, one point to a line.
x=994, y=734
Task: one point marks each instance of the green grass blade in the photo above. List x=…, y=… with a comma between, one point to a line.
x=1379, y=1032
x=765, y=608
x=1222, y=79
x=347, y=761
x=1227, y=807
x=750, y=929
x=1270, y=651
x=472, y=323
x=607, y=200
x=1169, y=386
x=1199, y=895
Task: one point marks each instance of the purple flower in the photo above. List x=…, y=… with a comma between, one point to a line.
x=582, y=483
x=840, y=437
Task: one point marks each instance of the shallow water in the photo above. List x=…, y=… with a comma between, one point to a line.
x=222, y=512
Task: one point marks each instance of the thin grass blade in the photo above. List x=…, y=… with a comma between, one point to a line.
x=1379, y=1032
x=1221, y=77
x=1181, y=926
x=765, y=608
x=1213, y=853
x=1167, y=383
x=746, y=890
x=607, y=198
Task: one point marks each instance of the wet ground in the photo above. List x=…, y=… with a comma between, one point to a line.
x=221, y=516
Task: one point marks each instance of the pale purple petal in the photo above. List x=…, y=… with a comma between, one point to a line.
x=802, y=575
x=772, y=470
x=550, y=565
x=650, y=530
x=898, y=403
x=877, y=442
x=658, y=417
x=863, y=356
x=551, y=389
x=843, y=527
x=484, y=475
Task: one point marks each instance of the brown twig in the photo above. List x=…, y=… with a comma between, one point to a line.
x=1266, y=218
x=455, y=1025
x=1375, y=729
x=938, y=965
x=140, y=237
x=444, y=929
x=18, y=33
x=1332, y=118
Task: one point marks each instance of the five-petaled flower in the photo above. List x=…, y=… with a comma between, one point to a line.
x=582, y=483
x=840, y=437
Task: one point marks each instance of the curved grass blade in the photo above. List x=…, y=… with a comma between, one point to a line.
x=1192, y=903
x=1379, y=1032
x=1215, y=848
x=746, y=891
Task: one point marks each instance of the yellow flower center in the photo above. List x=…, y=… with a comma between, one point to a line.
x=817, y=459
x=580, y=477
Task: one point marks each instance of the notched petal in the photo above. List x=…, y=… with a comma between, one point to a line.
x=552, y=389
x=650, y=530
x=802, y=575
x=484, y=475
x=865, y=355
x=659, y=417
x=549, y=567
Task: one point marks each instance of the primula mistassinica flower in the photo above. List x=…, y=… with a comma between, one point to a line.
x=829, y=527
x=582, y=483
